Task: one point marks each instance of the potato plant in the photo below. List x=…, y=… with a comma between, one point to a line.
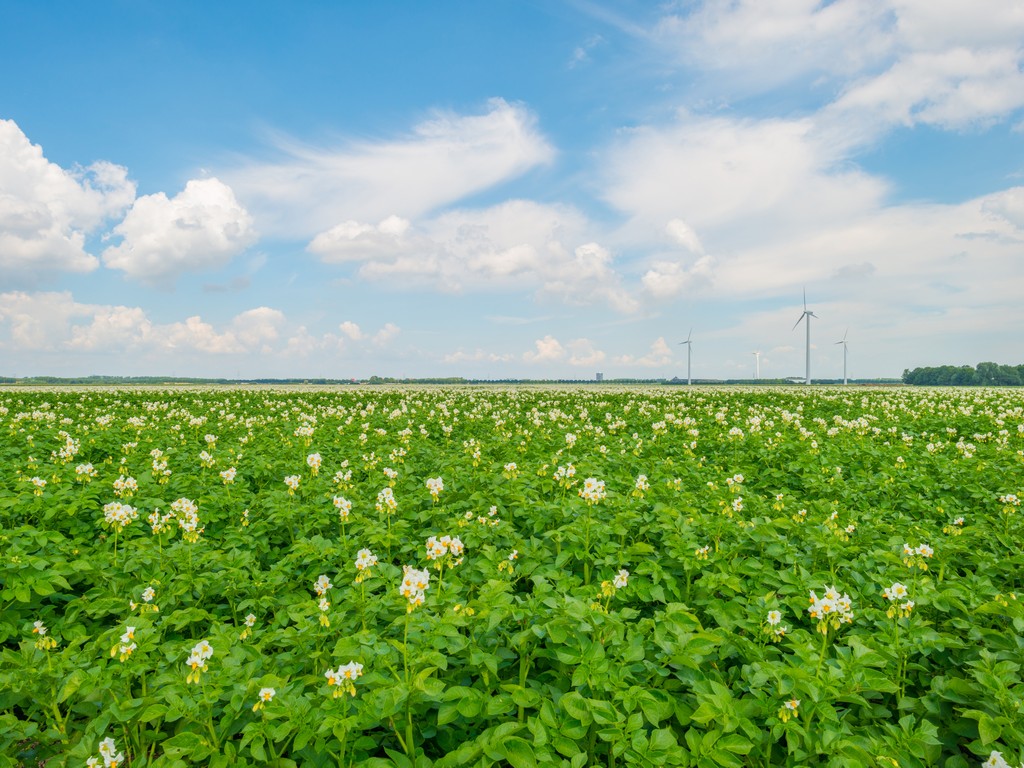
x=523, y=576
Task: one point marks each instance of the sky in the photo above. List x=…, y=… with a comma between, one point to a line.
x=510, y=189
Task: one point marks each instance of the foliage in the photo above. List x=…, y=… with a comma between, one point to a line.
x=554, y=576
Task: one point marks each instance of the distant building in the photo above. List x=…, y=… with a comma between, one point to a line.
x=600, y=376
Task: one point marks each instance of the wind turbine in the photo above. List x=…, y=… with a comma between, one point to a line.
x=806, y=315
x=757, y=365
x=689, y=349
x=843, y=342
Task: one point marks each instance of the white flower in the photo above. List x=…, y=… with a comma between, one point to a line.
x=322, y=585
x=621, y=578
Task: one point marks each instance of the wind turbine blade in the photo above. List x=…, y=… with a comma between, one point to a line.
x=689, y=336
x=846, y=334
x=805, y=298
x=797, y=322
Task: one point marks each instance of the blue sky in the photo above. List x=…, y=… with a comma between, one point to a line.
x=509, y=189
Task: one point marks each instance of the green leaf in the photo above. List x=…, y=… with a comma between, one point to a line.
x=519, y=753
x=988, y=730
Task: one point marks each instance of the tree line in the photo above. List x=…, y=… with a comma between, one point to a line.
x=983, y=375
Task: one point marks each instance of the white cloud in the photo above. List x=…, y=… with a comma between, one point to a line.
x=386, y=334
x=897, y=62
x=584, y=353
x=202, y=227
x=953, y=88
x=659, y=354
x=351, y=330
x=47, y=322
x=666, y=279
x=257, y=329
x=46, y=212
x=476, y=356
x=681, y=232
x=111, y=328
x=760, y=44
x=547, y=350
x=708, y=173
x=517, y=245
x=446, y=158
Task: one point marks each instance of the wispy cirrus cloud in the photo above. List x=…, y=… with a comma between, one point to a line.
x=445, y=158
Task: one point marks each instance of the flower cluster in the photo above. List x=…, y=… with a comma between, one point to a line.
x=435, y=485
x=593, y=490
x=342, y=679
x=564, y=475
x=126, y=646
x=773, y=628
x=321, y=585
x=344, y=507
x=895, y=594
x=414, y=586
x=206, y=459
x=108, y=754
x=200, y=654
x=43, y=643
x=148, y=594
x=510, y=471
x=365, y=560
x=84, y=473
x=125, y=487
x=1010, y=503
x=701, y=553
x=917, y=557
x=313, y=461
x=789, y=710
x=292, y=481
x=187, y=514
x=641, y=486
x=118, y=515
x=228, y=475
x=437, y=548
x=264, y=697
x=386, y=501
x=619, y=581
x=996, y=760
x=831, y=611
x=954, y=528
x=250, y=622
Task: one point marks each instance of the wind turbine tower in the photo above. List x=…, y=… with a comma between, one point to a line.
x=806, y=316
x=689, y=349
x=843, y=342
x=757, y=365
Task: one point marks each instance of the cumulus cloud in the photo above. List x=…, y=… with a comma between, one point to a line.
x=444, y=158
x=202, y=227
x=546, y=350
x=516, y=245
x=52, y=321
x=351, y=330
x=386, y=334
x=46, y=212
x=666, y=279
x=583, y=352
x=660, y=353
x=707, y=173
x=476, y=356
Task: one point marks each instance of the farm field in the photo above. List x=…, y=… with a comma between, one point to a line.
x=525, y=577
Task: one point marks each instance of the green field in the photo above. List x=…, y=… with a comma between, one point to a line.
x=645, y=576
